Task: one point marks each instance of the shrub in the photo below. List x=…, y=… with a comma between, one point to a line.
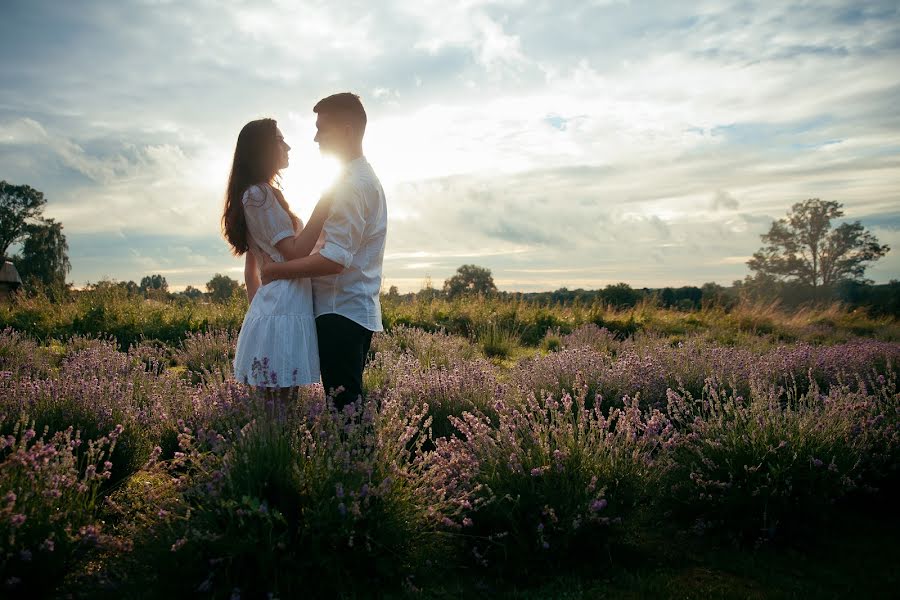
x=766, y=465
x=207, y=355
x=495, y=340
x=304, y=502
x=48, y=504
x=545, y=484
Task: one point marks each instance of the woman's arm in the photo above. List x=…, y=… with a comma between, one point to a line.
x=251, y=275
x=302, y=244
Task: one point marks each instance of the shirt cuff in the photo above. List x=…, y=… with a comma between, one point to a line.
x=282, y=235
x=335, y=253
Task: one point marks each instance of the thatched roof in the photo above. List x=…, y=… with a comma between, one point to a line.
x=9, y=277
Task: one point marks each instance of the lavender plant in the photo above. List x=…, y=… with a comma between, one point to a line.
x=49, y=486
x=546, y=483
x=448, y=391
x=207, y=355
x=759, y=466
x=298, y=500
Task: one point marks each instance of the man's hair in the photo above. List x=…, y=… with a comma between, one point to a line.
x=346, y=105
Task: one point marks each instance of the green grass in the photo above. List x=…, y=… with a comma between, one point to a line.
x=131, y=318
x=854, y=557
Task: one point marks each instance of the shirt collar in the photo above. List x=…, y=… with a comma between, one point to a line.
x=355, y=164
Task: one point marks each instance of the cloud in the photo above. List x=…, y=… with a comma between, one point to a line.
x=722, y=200
x=559, y=143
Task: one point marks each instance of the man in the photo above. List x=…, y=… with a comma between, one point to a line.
x=346, y=273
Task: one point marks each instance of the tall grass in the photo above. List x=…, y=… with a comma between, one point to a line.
x=132, y=319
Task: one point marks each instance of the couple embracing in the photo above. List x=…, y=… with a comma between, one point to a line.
x=313, y=288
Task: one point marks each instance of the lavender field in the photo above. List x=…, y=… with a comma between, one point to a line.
x=146, y=472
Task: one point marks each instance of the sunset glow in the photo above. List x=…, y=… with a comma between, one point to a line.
x=572, y=144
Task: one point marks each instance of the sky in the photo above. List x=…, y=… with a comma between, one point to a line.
x=558, y=144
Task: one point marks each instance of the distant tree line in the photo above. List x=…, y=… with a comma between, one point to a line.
x=220, y=288
x=805, y=259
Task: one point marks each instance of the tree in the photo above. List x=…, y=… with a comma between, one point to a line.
x=470, y=279
x=804, y=248
x=130, y=287
x=20, y=207
x=221, y=287
x=44, y=255
x=427, y=293
x=192, y=292
x=667, y=297
x=713, y=294
x=620, y=294
x=154, y=285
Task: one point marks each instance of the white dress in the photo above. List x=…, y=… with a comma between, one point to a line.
x=277, y=346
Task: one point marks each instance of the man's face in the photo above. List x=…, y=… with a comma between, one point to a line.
x=328, y=134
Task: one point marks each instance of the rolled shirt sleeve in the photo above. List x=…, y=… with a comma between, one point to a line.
x=343, y=229
x=266, y=220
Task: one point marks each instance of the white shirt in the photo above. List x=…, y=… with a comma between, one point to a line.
x=354, y=235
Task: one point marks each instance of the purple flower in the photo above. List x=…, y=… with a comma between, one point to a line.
x=598, y=505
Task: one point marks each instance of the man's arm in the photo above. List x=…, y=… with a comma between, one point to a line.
x=314, y=265
x=343, y=235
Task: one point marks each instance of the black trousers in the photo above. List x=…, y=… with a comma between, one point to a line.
x=343, y=347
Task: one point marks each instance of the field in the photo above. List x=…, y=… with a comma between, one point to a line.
x=505, y=449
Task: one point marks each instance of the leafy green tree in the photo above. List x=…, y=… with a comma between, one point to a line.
x=130, y=287
x=221, y=287
x=20, y=207
x=713, y=294
x=44, y=256
x=804, y=248
x=667, y=297
x=154, y=285
x=620, y=294
x=192, y=292
x=470, y=279
x=427, y=293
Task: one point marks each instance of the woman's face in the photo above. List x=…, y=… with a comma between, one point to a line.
x=282, y=149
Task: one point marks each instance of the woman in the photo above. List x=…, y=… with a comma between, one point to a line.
x=277, y=347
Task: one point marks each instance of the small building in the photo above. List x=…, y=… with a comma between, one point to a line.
x=9, y=280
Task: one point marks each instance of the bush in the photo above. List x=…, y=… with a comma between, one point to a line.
x=546, y=482
x=207, y=355
x=767, y=465
x=50, y=486
x=303, y=502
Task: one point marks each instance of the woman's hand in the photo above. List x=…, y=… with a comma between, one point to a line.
x=265, y=268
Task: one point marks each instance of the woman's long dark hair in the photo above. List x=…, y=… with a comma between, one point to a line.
x=255, y=161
